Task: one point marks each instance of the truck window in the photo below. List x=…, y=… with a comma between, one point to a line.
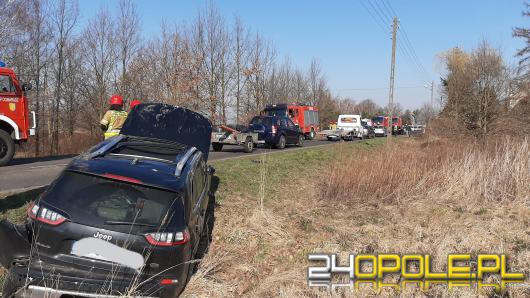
x=348, y=120
x=6, y=84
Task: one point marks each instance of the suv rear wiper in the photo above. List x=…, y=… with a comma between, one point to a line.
x=127, y=223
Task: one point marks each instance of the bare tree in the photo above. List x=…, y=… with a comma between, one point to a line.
x=261, y=64
x=63, y=20
x=316, y=81
x=128, y=41
x=241, y=40
x=367, y=108
x=475, y=88
x=100, y=63
x=524, y=33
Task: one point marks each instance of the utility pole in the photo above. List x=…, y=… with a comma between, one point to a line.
x=432, y=95
x=392, y=75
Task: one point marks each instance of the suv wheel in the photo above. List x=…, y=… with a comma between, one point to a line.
x=12, y=285
x=300, y=141
x=217, y=147
x=281, y=142
x=248, y=147
x=7, y=148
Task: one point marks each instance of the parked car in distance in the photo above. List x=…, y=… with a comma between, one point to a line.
x=367, y=121
x=277, y=131
x=380, y=131
x=350, y=127
x=368, y=132
x=126, y=218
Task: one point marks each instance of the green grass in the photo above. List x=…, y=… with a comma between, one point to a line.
x=13, y=206
x=243, y=176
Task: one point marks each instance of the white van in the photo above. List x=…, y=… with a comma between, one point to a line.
x=348, y=127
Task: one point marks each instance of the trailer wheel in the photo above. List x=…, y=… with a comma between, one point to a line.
x=217, y=147
x=248, y=147
x=7, y=148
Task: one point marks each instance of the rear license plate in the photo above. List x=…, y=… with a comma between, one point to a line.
x=99, y=249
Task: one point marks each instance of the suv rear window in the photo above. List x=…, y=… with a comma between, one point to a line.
x=261, y=120
x=276, y=112
x=101, y=202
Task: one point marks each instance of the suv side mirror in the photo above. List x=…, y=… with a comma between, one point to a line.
x=211, y=170
x=26, y=87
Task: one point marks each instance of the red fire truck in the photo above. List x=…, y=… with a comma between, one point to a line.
x=397, y=125
x=380, y=121
x=304, y=116
x=15, y=127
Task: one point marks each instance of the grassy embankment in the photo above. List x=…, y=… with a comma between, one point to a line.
x=427, y=196
x=432, y=197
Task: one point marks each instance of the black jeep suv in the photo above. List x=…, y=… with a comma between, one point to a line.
x=125, y=219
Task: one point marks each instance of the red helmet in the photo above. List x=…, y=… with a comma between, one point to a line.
x=135, y=103
x=116, y=100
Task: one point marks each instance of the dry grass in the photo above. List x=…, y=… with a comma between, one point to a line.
x=433, y=196
x=79, y=142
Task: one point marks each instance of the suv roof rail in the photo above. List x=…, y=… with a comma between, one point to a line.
x=182, y=162
x=107, y=147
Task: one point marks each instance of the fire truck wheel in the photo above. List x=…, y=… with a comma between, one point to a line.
x=217, y=147
x=311, y=135
x=7, y=148
x=249, y=145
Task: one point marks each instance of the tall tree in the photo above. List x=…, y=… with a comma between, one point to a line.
x=240, y=42
x=128, y=41
x=63, y=20
x=475, y=88
x=100, y=63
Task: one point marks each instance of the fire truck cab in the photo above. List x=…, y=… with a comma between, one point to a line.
x=15, y=127
x=303, y=116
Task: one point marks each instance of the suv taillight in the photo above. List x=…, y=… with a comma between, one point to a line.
x=45, y=215
x=274, y=129
x=168, y=239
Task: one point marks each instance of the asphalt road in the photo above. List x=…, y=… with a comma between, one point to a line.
x=25, y=173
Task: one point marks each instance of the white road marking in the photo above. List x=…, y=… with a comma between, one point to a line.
x=49, y=166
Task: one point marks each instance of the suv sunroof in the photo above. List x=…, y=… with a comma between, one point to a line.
x=149, y=148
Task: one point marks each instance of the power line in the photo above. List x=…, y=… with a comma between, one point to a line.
x=408, y=43
x=380, y=22
x=381, y=12
x=380, y=88
x=380, y=16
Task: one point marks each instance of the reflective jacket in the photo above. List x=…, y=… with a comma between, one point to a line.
x=113, y=120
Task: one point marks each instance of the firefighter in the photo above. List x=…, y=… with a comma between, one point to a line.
x=134, y=103
x=114, y=118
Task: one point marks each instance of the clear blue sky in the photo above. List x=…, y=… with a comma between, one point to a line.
x=352, y=47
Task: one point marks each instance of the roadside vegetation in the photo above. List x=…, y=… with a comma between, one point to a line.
x=428, y=195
